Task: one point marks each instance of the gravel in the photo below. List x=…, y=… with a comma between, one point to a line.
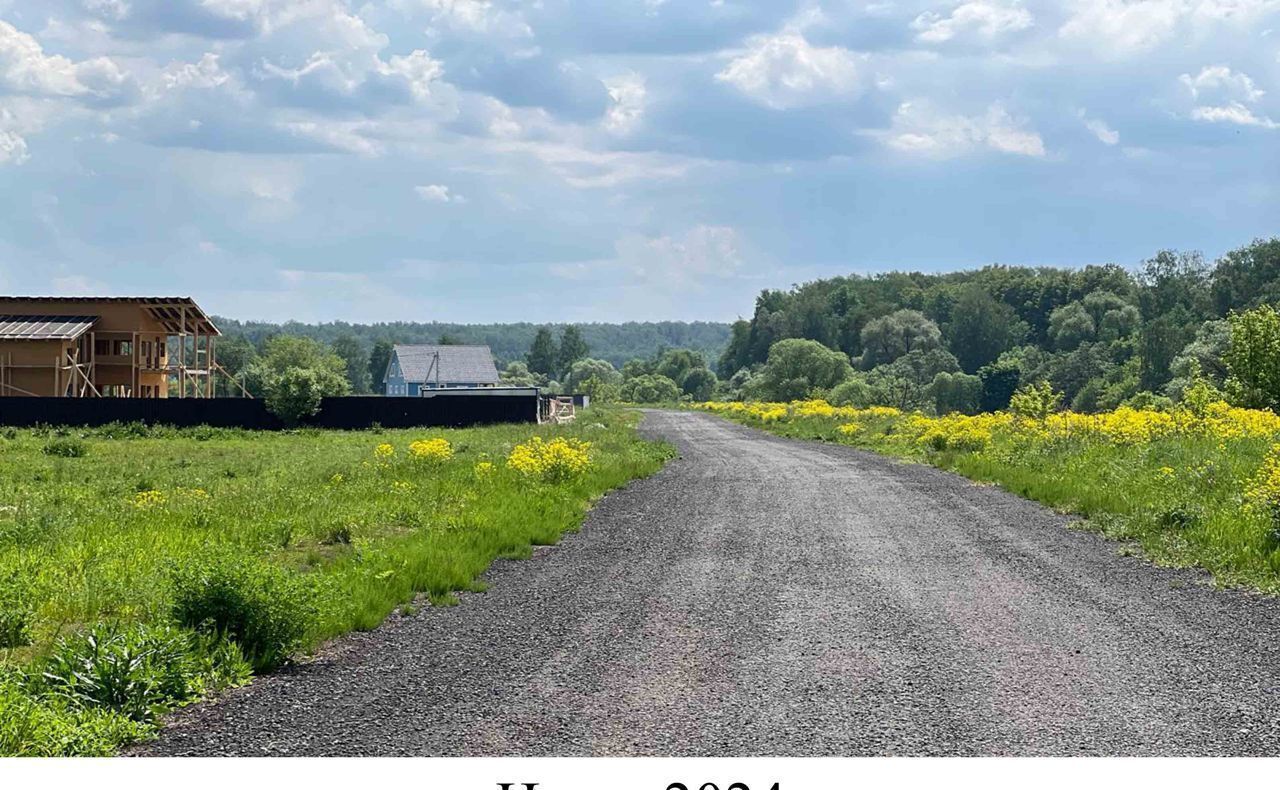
x=768, y=597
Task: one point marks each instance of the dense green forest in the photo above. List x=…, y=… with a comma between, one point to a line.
x=615, y=343
x=1100, y=335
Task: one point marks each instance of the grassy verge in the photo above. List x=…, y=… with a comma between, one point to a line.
x=1185, y=488
x=141, y=569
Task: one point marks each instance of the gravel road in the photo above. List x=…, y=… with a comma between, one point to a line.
x=768, y=597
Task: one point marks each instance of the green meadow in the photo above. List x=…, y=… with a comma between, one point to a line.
x=144, y=568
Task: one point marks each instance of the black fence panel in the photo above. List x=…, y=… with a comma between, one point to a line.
x=452, y=411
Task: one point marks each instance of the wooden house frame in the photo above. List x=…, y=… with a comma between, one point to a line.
x=78, y=347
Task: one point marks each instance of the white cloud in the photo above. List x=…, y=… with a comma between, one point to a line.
x=628, y=95
x=1222, y=82
x=1100, y=130
x=1224, y=96
x=26, y=69
x=475, y=16
x=13, y=149
x=784, y=71
x=1120, y=28
x=438, y=193
x=920, y=130
x=980, y=20
x=1234, y=112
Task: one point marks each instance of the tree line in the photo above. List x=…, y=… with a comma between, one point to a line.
x=1101, y=336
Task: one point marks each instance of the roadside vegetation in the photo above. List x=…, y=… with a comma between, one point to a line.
x=144, y=568
x=1194, y=484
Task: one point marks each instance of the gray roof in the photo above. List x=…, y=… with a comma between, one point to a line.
x=44, y=327
x=458, y=364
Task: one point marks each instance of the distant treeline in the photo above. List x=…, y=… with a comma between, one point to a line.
x=1101, y=335
x=616, y=343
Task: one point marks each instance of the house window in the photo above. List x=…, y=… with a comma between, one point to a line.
x=102, y=348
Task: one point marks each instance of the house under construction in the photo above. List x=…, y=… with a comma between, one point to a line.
x=100, y=347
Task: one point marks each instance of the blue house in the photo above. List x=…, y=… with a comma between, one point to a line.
x=415, y=368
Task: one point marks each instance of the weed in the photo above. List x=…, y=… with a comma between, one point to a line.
x=66, y=447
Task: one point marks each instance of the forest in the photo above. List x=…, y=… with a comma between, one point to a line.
x=1101, y=335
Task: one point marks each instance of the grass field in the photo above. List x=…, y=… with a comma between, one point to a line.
x=1191, y=487
x=143, y=568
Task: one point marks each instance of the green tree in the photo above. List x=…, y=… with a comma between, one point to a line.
x=599, y=390
x=1071, y=325
x=699, y=384
x=650, y=388
x=1203, y=356
x=1253, y=359
x=542, y=354
x=1247, y=277
x=676, y=363
x=356, y=360
x=796, y=368
x=448, y=339
x=572, y=348
x=999, y=381
x=585, y=369
x=517, y=374
x=894, y=335
x=982, y=328
x=379, y=359
x=956, y=392
x=287, y=352
x=297, y=393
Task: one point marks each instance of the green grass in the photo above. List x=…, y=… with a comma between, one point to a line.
x=82, y=542
x=1191, y=517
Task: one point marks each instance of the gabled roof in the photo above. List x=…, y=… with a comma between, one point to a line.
x=44, y=327
x=175, y=313
x=458, y=364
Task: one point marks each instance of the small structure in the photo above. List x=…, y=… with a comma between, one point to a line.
x=90, y=347
x=413, y=369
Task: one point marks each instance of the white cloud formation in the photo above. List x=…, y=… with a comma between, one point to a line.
x=438, y=193
x=1100, y=129
x=474, y=16
x=784, y=71
x=1221, y=81
x=13, y=149
x=1224, y=96
x=26, y=69
x=1122, y=28
x=627, y=93
x=979, y=20
x=919, y=129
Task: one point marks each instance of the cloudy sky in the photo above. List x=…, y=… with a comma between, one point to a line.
x=483, y=160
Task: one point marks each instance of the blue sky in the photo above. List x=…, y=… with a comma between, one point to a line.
x=481, y=160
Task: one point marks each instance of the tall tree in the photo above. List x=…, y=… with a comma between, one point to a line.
x=352, y=353
x=572, y=349
x=542, y=354
x=982, y=328
x=379, y=359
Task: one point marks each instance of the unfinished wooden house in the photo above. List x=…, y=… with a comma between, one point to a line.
x=91, y=347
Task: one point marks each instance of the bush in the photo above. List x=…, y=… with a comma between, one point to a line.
x=1035, y=401
x=295, y=394
x=137, y=671
x=650, y=388
x=34, y=726
x=66, y=447
x=265, y=609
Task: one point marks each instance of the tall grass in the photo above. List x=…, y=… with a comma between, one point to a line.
x=204, y=528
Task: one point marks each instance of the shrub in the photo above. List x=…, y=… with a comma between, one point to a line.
x=295, y=394
x=1035, y=401
x=433, y=450
x=650, y=388
x=137, y=671
x=265, y=609
x=43, y=726
x=66, y=447
x=555, y=461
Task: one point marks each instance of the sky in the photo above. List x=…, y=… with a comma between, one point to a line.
x=612, y=160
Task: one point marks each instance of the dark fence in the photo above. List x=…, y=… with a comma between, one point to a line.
x=451, y=411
